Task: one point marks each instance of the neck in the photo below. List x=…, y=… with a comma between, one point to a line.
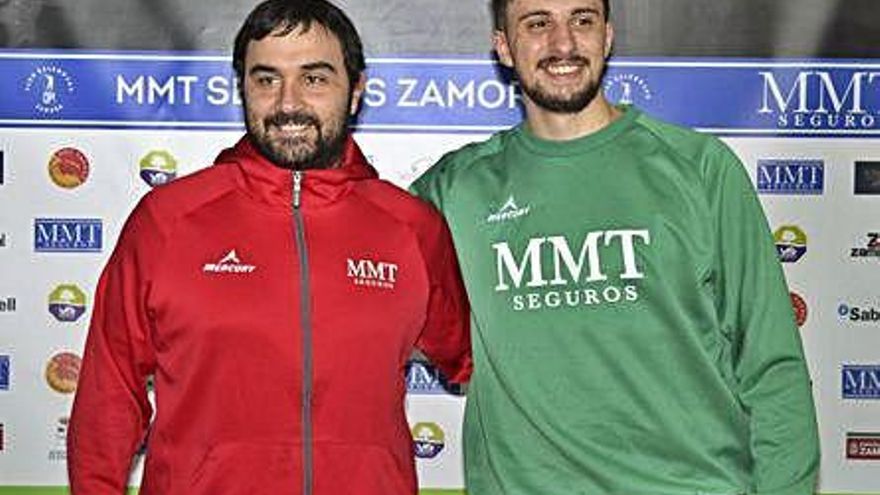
x=556, y=126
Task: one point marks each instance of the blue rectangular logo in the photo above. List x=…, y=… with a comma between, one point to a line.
x=861, y=381
x=424, y=379
x=791, y=176
x=4, y=372
x=70, y=235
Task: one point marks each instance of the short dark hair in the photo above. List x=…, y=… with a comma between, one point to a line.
x=499, y=12
x=286, y=15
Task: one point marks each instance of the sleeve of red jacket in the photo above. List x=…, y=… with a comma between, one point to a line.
x=111, y=411
x=445, y=338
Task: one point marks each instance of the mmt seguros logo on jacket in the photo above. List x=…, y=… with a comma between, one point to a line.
x=547, y=273
x=371, y=273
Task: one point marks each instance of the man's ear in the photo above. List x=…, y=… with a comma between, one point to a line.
x=502, y=48
x=609, y=38
x=357, y=92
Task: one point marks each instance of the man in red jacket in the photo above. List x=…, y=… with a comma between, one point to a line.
x=274, y=297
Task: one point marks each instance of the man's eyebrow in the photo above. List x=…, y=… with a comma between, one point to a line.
x=582, y=10
x=533, y=13
x=262, y=68
x=586, y=10
x=320, y=65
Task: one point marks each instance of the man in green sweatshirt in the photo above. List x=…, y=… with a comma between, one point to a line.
x=632, y=331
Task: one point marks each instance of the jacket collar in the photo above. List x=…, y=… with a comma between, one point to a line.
x=270, y=184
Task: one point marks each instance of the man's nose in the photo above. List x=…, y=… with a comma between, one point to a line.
x=290, y=97
x=562, y=39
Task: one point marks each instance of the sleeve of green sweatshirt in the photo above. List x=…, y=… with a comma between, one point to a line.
x=754, y=307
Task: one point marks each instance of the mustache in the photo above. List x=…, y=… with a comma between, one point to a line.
x=294, y=118
x=574, y=59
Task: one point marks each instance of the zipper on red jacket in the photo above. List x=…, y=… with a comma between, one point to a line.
x=306, y=324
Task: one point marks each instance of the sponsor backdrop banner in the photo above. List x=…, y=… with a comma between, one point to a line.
x=85, y=133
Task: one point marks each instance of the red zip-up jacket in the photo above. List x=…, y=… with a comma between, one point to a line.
x=276, y=311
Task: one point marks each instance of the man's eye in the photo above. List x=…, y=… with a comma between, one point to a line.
x=266, y=80
x=315, y=79
x=583, y=20
x=537, y=24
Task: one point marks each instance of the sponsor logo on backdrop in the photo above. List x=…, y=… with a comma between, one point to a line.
x=863, y=446
x=871, y=249
x=49, y=86
x=799, y=305
x=428, y=440
x=545, y=274
x=3, y=240
x=791, y=176
x=860, y=381
x=75, y=235
x=858, y=314
x=5, y=371
x=58, y=451
x=508, y=211
x=67, y=302
x=424, y=379
x=158, y=167
x=230, y=263
x=791, y=243
x=2, y=437
x=628, y=89
x=867, y=180
x=7, y=304
x=2, y=169
x=68, y=168
x=62, y=372
x=818, y=99
x=371, y=273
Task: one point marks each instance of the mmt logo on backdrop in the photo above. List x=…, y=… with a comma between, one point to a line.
x=74, y=235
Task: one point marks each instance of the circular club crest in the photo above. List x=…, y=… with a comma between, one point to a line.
x=68, y=168
x=428, y=440
x=800, y=308
x=791, y=243
x=628, y=89
x=67, y=303
x=49, y=85
x=158, y=167
x=62, y=372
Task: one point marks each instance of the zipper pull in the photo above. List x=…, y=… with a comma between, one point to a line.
x=297, y=187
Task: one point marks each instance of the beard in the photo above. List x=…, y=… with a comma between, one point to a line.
x=570, y=103
x=319, y=149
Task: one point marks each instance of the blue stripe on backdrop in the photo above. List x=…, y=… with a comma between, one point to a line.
x=153, y=90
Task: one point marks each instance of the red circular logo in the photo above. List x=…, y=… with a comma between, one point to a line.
x=800, y=309
x=62, y=372
x=68, y=168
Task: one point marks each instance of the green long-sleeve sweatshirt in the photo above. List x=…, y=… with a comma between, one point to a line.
x=632, y=331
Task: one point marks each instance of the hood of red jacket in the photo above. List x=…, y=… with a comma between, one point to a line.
x=273, y=185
